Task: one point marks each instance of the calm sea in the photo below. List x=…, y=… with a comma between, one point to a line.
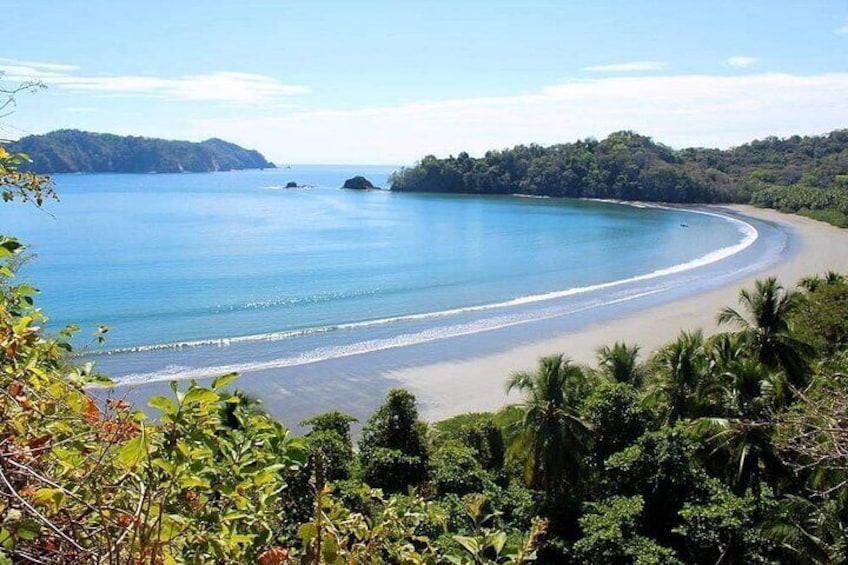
x=198, y=273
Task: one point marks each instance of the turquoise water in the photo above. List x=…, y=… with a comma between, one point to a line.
x=209, y=270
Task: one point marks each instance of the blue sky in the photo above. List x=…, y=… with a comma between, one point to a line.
x=388, y=82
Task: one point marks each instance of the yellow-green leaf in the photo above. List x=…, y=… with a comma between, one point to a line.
x=224, y=380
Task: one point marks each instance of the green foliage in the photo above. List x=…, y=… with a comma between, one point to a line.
x=612, y=535
x=822, y=318
x=337, y=453
x=337, y=536
x=331, y=436
x=478, y=432
x=813, y=434
x=625, y=165
x=455, y=468
x=335, y=422
x=724, y=529
x=617, y=418
x=488, y=545
x=393, y=447
x=17, y=184
x=219, y=488
x=662, y=470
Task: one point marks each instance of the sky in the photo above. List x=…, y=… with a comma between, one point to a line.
x=380, y=82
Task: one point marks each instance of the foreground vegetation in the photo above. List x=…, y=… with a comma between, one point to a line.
x=806, y=175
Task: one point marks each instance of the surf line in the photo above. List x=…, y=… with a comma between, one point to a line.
x=371, y=346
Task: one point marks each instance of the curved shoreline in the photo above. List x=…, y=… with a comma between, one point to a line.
x=476, y=384
x=503, y=315
x=750, y=237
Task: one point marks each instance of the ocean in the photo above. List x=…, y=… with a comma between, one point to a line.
x=200, y=274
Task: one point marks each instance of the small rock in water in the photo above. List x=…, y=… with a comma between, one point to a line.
x=358, y=183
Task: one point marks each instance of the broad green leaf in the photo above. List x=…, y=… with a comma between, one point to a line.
x=224, y=380
x=307, y=532
x=470, y=544
x=6, y=539
x=163, y=404
x=330, y=548
x=132, y=451
x=201, y=396
x=192, y=482
x=25, y=290
x=28, y=529
x=52, y=496
x=170, y=528
x=99, y=379
x=499, y=541
x=234, y=516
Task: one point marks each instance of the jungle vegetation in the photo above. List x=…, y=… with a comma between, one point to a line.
x=806, y=175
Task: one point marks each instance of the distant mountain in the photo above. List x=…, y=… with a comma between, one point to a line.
x=74, y=151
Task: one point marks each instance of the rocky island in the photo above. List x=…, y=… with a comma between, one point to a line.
x=358, y=183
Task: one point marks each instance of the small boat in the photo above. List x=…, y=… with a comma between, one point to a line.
x=684, y=225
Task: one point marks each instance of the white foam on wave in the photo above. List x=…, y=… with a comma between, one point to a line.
x=176, y=372
x=750, y=235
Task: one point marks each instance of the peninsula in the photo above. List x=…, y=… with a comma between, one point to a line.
x=74, y=151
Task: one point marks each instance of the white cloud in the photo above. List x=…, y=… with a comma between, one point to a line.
x=220, y=86
x=81, y=109
x=43, y=67
x=742, y=62
x=684, y=110
x=631, y=67
x=843, y=30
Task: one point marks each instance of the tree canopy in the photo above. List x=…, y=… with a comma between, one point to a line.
x=808, y=175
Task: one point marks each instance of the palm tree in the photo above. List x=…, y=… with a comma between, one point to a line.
x=815, y=282
x=766, y=325
x=682, y=371
x=550, y=436
x=741, y=430
x=620, y=363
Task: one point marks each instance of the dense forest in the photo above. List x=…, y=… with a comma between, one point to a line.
x=73, y=151
x=731, y=448
x=808, y=175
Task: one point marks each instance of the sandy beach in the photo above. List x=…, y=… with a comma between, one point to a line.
x=450, y=388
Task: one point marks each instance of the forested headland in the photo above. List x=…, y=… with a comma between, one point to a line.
x=806, y=175
x=724, y=449
x=74, y=151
